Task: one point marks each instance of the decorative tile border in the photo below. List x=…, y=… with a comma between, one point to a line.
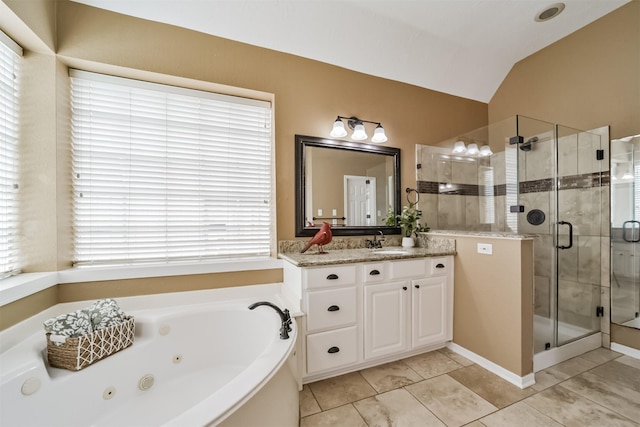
x=588, y=180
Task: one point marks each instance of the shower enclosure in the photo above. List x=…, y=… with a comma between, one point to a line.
x=544, y=180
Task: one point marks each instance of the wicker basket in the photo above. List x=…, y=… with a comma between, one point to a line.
x=80, y=352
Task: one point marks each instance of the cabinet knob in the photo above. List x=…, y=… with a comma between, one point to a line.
x=440, y=265
x=333, y=350
x=332, y=277
x=333, y=308
x=417, y=286
x=374, y=273
x=404, y=288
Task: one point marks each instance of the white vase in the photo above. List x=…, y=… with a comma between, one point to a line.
x=408, y=242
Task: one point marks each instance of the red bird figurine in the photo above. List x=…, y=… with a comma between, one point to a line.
x=322, y=237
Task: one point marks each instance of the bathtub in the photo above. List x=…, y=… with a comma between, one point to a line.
x=212, y=363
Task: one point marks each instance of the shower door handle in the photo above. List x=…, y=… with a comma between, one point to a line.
x=624, y=231
x=570, y=235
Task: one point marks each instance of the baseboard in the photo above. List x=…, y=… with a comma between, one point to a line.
x=521, y=382
x=555, y=355
x=627, y=351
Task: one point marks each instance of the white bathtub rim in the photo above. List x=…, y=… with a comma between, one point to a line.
x=272, y=292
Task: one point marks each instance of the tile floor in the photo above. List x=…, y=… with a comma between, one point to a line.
x=441, y=388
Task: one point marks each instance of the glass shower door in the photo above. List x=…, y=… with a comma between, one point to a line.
x=579, y=202
x=534, y=149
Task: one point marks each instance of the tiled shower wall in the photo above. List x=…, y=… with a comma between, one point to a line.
x=474, y=194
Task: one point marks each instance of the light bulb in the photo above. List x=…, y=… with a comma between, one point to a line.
x=358, y=133
x=379, y=135
x=338, y=130
x=472, y=150
x=459, y=147
x=485, y=151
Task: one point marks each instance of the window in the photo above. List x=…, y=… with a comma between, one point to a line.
x=164, y=174
x=10, y=58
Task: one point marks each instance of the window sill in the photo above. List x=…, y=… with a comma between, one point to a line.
x=23, y=285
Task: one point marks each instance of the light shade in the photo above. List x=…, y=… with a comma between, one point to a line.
x=472, y=149
x=379, y=135
x=338, y=130
x=485, y=151
x=459, y=147
x=359, y=133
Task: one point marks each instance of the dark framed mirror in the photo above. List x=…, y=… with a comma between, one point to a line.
x=350, y=185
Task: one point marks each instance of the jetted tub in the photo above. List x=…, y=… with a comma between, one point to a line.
x=190, y=365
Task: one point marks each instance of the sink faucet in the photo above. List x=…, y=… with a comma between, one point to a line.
x=285, y=317
x=375, y=244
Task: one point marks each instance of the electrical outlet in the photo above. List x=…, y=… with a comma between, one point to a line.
x=485, y=248
x=334, y=212
x=319, y=212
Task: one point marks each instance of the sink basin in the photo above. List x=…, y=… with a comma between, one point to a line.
x=391, y=252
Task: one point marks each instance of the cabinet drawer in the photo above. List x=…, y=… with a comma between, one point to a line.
x=331, y=308
x=330, y=276
x=440, y=266
x=331, y=349
x=410, y=268
x=374, y=272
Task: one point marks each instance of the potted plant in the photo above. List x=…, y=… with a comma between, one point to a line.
x=409, y=221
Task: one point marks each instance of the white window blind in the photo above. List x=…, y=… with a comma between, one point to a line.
x=164, y=174
x=10, y=59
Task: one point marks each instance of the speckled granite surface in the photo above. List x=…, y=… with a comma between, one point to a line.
x=486, y=234
x=347, y=256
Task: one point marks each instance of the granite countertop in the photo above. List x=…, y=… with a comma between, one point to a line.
x=347, y=256
x=487, y=234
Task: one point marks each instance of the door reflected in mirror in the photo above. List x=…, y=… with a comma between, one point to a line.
x=625, y=231
x=352, y=186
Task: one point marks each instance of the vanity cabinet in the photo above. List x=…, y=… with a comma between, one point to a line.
x=363, y=314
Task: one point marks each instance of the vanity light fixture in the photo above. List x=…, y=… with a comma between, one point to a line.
x=359, y=132
x=459, y=147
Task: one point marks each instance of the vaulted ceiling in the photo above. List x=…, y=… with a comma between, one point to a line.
x=460, y=47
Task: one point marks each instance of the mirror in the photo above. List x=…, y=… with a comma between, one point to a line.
x=350, y=185
x=625, y=231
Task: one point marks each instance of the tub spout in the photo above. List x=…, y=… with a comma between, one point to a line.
x=285, y=317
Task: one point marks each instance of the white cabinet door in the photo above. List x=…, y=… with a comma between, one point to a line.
x=385, y=318
x=429, y=313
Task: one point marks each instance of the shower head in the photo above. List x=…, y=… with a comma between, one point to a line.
x=528, y=144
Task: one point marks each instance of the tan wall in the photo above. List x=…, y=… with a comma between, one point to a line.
x=626, y=336
x=586, y=80
x=308, y=96
x=493, y=301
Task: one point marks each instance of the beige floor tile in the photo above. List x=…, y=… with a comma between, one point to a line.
x=607, y=393
x=390, y=376
x=431, y=364
x=572, y=410
x=475, y=424
x=560, y=372
x=346, y=416
x=396, y=408
x=519, y=414
x=337, y=391
x=450, y=401
x=308, y=403
x=622, y=373
x=455, y=356
x=600, y=355
x=490, y=387
x=631, y=361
